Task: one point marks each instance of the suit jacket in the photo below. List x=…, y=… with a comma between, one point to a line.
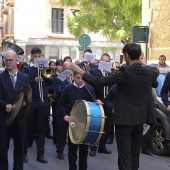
x=99, y=90
x=133, y=98
x=165, y=91
x=8, y=95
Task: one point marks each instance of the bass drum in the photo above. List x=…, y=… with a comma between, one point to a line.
x=87, y=123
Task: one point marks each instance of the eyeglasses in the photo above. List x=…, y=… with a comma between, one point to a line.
x=8, y=60
x=117, y=67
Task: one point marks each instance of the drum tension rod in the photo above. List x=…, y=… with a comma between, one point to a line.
x=93, y=131
x=98, y=116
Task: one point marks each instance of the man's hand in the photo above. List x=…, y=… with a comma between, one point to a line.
x=8, y=107
x=168, y=108
x=75, y=67
x=38, y=79
x=99, y=102
x=67, y=118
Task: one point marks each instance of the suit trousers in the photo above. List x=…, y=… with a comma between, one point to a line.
x=128, y=140
x=72, y=155
x=36, y=124
x=61, y=128
x=18, y=134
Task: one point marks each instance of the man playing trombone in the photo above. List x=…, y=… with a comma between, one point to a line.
x=39, y=110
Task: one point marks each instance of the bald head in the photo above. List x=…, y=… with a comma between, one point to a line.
x=12, y=54
x=11, y=60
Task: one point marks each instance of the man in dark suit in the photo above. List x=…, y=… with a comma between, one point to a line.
x=11, y=81
x=133, y=107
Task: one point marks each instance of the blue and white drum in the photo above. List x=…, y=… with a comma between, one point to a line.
x=87, y=123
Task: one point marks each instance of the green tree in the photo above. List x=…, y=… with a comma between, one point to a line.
x=112, y=18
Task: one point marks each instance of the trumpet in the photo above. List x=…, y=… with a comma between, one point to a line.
x=106, y=88
x=47, y=73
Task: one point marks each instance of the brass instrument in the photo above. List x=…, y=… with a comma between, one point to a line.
x=106, y=88
x=47, y=73
x=53, y=96
x=87, y=67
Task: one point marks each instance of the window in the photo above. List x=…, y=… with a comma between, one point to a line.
x=53, y=53
x=57, y=20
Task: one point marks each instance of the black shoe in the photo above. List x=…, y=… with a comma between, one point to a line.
x=40, y=158
x=92, y=153
x=147, y=152
x=104, y=150
x=25, y=159
x=60, y=155
x=110, y=141
x=49, y=136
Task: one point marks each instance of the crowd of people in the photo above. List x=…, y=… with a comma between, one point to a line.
x=124, y=93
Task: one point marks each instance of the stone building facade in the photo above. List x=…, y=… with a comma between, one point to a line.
x=156, y=14
x=43, y=23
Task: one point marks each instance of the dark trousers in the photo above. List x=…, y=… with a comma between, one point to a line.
x=128, y=140
x=18, y=141
x=54, y=110
x=72, y=156
x=36, y=124
x=60, y=132
x=105, y=136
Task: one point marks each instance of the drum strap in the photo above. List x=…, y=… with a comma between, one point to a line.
x=90, y=93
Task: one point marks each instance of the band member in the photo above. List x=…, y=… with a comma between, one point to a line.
x=83, y=64
x=133, y=105
x=67, y=59
x=109, y=103
x=71, y=93
x=59, y=125
x=11, y=80
x=100, y=91
x=39, y=111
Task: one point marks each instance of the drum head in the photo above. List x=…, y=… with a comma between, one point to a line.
x=78, y=122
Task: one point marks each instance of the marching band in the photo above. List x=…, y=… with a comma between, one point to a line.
x=86, y=82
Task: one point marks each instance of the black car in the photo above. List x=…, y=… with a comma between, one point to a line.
x=159, y=138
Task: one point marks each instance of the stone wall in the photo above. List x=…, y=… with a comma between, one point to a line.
x=156, y=14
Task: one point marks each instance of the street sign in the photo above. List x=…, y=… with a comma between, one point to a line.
x=83, y=48
x=84, y=40
x=140, y=34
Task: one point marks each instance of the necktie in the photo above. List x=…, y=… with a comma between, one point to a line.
x=13, y=80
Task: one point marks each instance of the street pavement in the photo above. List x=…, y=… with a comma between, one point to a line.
x=100, y=162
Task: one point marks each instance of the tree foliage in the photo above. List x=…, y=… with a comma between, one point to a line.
x=111, y=18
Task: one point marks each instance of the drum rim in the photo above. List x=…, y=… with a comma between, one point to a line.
x=87, y=124
x=102, y=125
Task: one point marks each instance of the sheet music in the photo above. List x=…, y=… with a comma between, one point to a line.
x=41, y=62
x=105, y=66
x=64, y=75
x=89, y=57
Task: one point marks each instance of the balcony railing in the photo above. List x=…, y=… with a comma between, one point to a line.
x=57, y=26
